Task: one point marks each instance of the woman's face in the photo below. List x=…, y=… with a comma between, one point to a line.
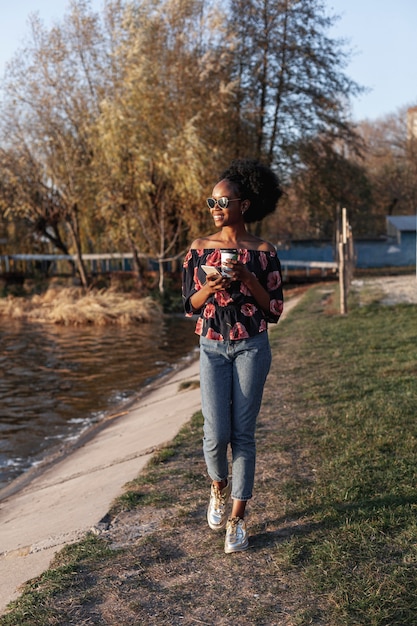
x=232, y=214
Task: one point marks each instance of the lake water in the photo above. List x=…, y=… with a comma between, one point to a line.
x=57, y=381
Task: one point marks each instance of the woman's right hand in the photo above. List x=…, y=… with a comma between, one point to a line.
x=216, y=282
x=213, y=284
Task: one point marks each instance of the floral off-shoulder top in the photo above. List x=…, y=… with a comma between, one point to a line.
x=233, y=313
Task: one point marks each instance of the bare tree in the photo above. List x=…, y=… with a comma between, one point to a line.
x=25, y=195
x=52, y=93
x=291, y=80
x=328, y=178
x=391, y=164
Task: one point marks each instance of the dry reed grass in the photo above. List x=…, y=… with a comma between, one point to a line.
x=71, y=306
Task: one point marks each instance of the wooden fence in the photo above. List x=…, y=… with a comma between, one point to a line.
x=55, y=263
x=118, y=261
x=107, y=262
x=323, y=266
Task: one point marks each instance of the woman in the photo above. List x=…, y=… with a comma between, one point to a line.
x=235, y=356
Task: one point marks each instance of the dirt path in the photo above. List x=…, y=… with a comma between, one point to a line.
x=166, y=568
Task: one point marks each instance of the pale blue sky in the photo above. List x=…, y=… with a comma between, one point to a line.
x=382, y=34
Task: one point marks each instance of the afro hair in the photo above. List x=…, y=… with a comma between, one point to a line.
x=257, y=183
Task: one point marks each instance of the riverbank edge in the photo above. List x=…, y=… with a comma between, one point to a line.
x=61, y=500
x=66, y=448
x=68, y=495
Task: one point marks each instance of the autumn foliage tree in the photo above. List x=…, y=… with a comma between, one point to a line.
x=125, y=117
x=391, y=164
x=150, y=150
x=52, y=94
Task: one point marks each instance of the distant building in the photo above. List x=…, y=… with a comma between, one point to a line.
x=396, y=249
x=398, y=226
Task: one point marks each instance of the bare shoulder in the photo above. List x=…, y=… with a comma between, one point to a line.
x=202, y=243
x=197, y=244
x=266, y=246
x=261, y=245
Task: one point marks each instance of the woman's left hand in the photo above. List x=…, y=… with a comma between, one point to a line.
x=239, y=271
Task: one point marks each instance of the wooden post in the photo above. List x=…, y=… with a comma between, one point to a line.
x=342, y=279
x=343, y=270
x=337, y=233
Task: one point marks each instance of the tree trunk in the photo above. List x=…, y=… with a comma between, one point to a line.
x=279, y=89
x=41, y=227
x=79, y=262
x=161, y=275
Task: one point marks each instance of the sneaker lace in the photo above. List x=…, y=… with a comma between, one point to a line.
x=233, y=524
x=219, y=498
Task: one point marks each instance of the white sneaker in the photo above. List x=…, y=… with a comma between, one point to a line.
x=216, y=512
x=236, y=536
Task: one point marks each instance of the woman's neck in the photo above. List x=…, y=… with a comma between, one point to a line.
x=234, y=237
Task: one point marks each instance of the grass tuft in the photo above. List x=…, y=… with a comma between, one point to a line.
x=71, y=306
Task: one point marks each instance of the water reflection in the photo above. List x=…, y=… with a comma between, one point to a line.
x=55, y=381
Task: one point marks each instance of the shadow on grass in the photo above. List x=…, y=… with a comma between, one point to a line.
x=330, y=516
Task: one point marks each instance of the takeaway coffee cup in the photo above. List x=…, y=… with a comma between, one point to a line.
x=227, y=255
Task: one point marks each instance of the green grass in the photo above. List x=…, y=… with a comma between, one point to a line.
x=36, y=606
x=334, y=518
x=358, y=390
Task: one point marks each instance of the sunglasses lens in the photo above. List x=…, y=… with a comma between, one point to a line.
x=221, y=202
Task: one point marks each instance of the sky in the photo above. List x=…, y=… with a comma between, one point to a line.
x=381, y=34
